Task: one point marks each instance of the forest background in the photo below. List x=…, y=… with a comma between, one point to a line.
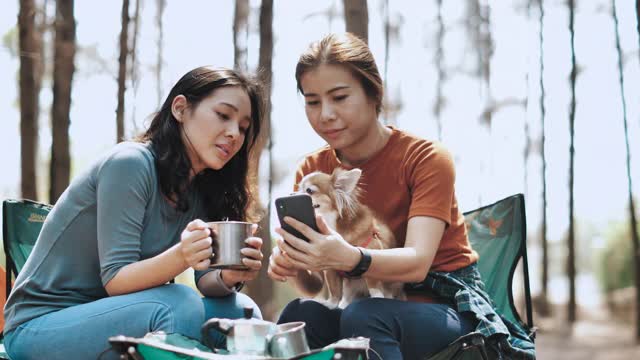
x=531, y=96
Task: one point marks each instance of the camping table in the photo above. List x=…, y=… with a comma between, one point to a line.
x=149, y=348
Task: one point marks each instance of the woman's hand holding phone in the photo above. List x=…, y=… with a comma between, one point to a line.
x=280, y=268
x=299, y=206
x=325, y=249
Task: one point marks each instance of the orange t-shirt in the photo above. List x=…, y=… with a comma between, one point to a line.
x=408, y=177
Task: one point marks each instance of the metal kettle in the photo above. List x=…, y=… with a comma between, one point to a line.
x=244, y=336
x=248, y=336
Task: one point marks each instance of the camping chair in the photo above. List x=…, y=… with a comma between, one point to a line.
x=22, y=221
x=21, y=224
x=498, y=233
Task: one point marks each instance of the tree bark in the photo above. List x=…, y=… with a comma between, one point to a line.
x=543, y=112
x=439, y=100
x=65, y=49
x=265, y=65
x=240, y=34
x=261, y=290
x=356, y=18
x=161, y=4
x=571, y=260
x=632, y=212
x=638, y=22
x=527, y=131
x=122, y=70
x=479, y=29
x=481, y=33
x=387, y=29
x=133, y=66
x=133, y=51
x=31, y=67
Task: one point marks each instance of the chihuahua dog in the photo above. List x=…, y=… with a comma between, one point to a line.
x=335, y=197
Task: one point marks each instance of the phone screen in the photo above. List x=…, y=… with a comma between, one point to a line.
x=299, y=207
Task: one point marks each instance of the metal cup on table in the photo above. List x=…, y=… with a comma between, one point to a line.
x=228, y=239
x=288, y=341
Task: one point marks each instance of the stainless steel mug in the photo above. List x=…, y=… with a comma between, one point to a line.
x=228, y=240
x=289, y=340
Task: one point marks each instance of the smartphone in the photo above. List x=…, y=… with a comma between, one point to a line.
x=299, y=207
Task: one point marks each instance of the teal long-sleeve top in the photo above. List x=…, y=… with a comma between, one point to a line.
x=111, y=215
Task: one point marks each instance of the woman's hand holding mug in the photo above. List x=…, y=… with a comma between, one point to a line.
x=195, y=245
x=250, y=251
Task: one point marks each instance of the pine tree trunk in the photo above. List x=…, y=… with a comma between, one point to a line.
x=571, y=260
x=632, y=212
x=527, y=132
x=122, y=70
x=543, y=111
x=479, y=29
x=638, y=22
x=265, y=65
x=385, y=78
x=133, y=51
x=261, y=290
x=31, y=67
x=356, y=18
x=161, y=4
x=240, y=34
x=485, y=52
x=439, y=101
x=133, y=67
x=65, y=49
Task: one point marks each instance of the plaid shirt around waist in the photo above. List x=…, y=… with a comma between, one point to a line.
x=464, y=290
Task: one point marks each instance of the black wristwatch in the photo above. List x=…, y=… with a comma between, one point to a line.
x=362, y=266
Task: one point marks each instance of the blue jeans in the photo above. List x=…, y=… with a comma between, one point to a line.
x=396, y=329
x=81, y=331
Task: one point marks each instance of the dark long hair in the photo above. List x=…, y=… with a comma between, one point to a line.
x=225, y=193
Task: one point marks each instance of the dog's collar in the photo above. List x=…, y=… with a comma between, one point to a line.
x=374, y=235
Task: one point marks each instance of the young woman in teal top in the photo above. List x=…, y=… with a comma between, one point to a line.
x=135, y=220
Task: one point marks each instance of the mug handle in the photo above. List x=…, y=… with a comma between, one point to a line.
x=216, y=323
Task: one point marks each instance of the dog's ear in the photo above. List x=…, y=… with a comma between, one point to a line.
x=345, y=183
x=346, y=180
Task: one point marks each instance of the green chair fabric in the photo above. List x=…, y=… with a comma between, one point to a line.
x=498, y=233
x=22, y=221
x=21, y=224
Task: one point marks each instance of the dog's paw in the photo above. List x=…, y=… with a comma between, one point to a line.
x=330, y=303
x=376, y=293
x=400, y=295
x=343, y=304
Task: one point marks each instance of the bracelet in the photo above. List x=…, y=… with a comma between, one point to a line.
x=235, y=288
x=238, y=286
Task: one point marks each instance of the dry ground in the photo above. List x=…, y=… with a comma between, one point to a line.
x=594, y=336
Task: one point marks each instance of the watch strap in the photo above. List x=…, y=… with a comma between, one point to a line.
x=362, y=266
